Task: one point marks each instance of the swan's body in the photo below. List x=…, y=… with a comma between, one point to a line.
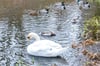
x=44, y=48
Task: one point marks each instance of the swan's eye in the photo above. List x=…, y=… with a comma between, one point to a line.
x=28, y=37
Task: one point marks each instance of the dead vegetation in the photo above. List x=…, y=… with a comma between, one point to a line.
x=88, y=42
x=93, y=57
x=84, y=43
x=92, y=63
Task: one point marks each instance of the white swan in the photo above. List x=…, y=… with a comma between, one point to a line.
x=44, y=48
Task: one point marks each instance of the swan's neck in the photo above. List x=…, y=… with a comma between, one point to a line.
x=35, y=36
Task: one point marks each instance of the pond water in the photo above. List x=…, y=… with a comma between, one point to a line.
x=15, y=25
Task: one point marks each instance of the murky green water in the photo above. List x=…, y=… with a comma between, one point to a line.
x=15, y=25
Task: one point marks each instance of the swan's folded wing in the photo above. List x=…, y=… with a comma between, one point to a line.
x=49, y=52
x=44, y=51
x=45, y=48
x=46, y=43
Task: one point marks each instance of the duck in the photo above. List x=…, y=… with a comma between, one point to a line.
x=59, y=6
x=44, y=48
x=86, y=5
x=75, y=19
x=83, y=5
x=37, y=13
x=33, y=12
x=47, y=33
x=44, y=11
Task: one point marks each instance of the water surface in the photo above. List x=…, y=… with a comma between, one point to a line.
x=15, y=25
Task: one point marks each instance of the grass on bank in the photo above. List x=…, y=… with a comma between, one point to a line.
x=92, y=28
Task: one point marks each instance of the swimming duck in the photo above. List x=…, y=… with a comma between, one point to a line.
x=75, y=19
x=40, y=12
x=59, y=6
x=44, y=48
x=48, y=33
x=83, y=5
x=86, y=5
x=44, y=11
x=33, y=13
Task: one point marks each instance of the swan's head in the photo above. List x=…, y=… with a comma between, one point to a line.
x=33, y=35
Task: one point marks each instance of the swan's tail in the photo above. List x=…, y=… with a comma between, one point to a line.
x=64, y=53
